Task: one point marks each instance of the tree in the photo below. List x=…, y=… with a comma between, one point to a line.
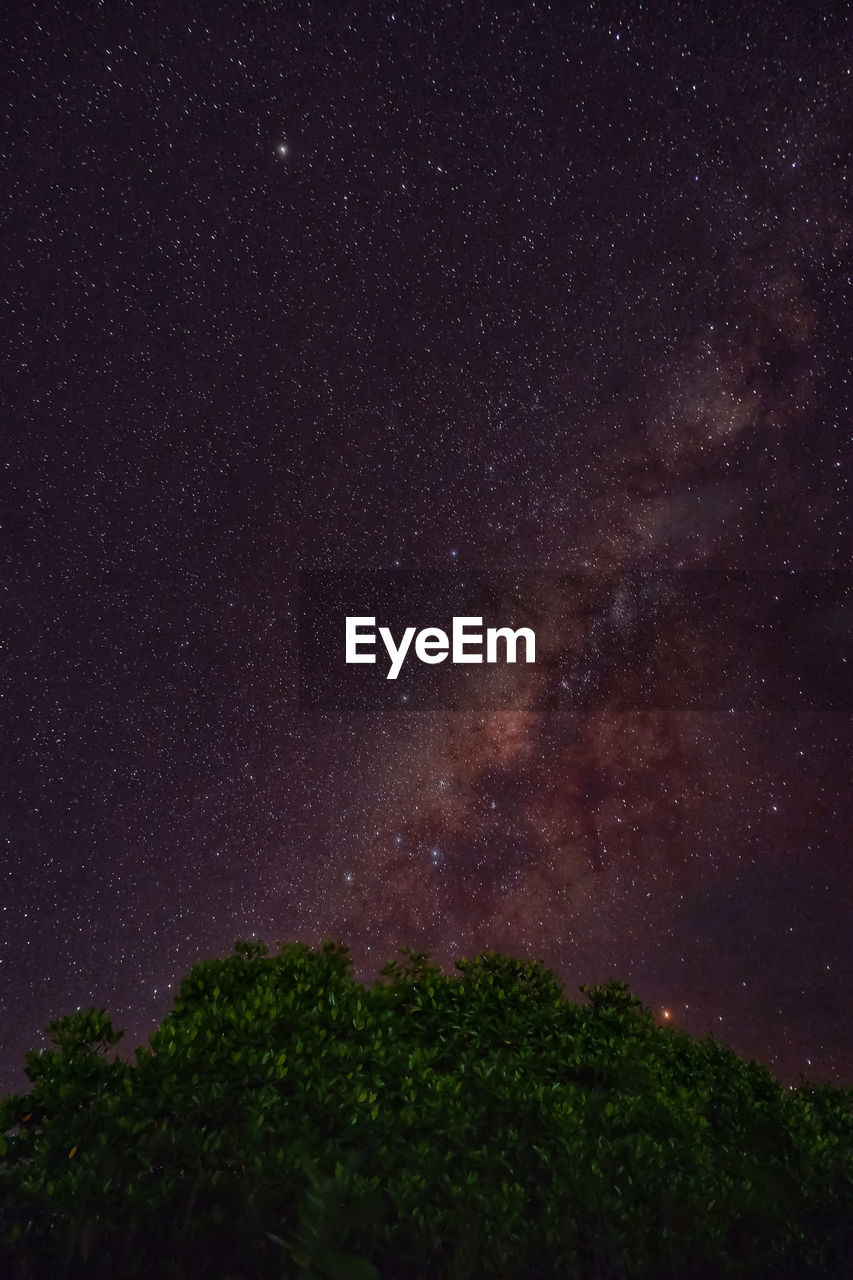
x=285, y=1120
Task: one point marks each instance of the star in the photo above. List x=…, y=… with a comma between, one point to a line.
x=568, y=358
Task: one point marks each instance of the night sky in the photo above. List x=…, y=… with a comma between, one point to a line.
x=428, y=288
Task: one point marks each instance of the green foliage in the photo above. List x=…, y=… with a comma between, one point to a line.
x=286, y=1121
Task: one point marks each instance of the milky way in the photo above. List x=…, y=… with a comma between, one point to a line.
x=491, y=290
x=573, y=832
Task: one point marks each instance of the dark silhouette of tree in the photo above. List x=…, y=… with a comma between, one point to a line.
x=285, y=1120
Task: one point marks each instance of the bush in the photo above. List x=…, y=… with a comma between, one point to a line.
x=286, y=1121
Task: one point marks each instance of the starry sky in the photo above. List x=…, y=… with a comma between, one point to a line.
x=437, y=289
